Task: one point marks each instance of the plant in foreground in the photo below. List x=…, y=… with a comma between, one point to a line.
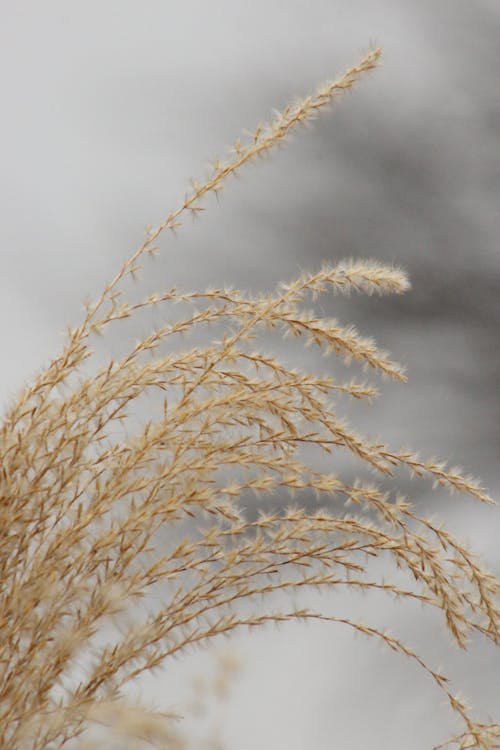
x=85, y=501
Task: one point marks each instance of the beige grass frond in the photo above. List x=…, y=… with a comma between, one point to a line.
x=102, y=509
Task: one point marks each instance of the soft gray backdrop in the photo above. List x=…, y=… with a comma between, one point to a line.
x=110, y=107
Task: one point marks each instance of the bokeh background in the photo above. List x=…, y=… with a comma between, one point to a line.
x=109, y=108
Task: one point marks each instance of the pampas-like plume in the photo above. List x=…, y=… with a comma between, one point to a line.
x=83, y=505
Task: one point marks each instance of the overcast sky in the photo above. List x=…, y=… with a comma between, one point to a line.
x=110, y=107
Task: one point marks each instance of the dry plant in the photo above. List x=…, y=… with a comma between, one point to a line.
x=85, y=498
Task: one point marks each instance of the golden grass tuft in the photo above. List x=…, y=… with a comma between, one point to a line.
x=85, y=501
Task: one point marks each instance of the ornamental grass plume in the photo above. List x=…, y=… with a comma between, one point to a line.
x=98, y=509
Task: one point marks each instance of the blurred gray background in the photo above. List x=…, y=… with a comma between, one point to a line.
x=109, y=108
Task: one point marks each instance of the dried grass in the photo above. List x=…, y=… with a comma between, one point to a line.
x=84, y=500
